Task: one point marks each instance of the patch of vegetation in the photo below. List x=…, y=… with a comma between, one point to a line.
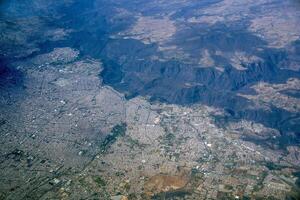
x=246, y=198
x=132, y=143
x=259, y=185
x=196, y=177
x=83, y=183
x=225, y=196
x=2, y=122
x=3, y=196
x=182, y=139
x=117, y=131
x=99, y=181
x=273, y=166
x=294, y=194
x=176, y=155
x=127, y=186
x=168, y=139
x=228, y=187
x=132, y=196
x=120, y=174
x=297, y=174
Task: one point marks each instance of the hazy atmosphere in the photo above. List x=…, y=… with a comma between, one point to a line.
x=141, y=100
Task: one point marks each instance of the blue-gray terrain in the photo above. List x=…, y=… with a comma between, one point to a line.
x=239, y=58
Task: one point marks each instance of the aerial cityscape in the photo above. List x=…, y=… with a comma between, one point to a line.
x=149, y=100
